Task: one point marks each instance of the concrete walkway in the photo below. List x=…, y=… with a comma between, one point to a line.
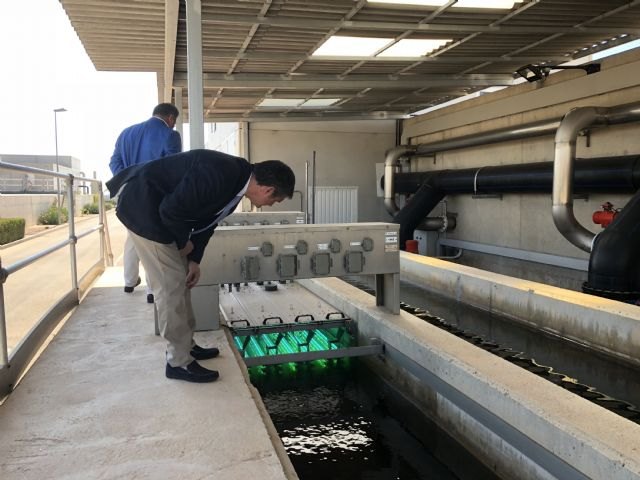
x=96, y=405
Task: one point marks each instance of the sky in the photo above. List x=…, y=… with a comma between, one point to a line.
x=44, y=67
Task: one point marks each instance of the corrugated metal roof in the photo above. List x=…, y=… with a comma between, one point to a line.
x=256, y=49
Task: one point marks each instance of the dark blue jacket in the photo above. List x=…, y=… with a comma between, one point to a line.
x=167, y=199
x=144, y=142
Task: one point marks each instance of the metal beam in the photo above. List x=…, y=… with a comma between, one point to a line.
x=315, y=355
x=306, y=116
x=292, y=57
x=351, y=82
x=172, y=8
x=457, y=28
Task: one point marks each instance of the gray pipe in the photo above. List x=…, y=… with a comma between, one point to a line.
x=546, y=127
x=563, y=167
x=390, y=164
x=445, y=223
x=564, y=161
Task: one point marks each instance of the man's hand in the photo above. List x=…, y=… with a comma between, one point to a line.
x=188, y=248
x=193, y=275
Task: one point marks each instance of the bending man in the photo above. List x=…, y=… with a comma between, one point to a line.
x=171, y=207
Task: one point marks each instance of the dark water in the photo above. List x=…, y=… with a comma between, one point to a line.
x=604, y=374
x=338, y=421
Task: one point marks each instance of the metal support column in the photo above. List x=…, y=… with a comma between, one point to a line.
x=194, y=73
x=388, y=291
x=243, y=132
x=177, y=93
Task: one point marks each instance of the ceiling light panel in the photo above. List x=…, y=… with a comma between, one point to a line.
x=496, y=4
x=320, y=102
x=413, y=47
x=351, y=46
x=281, y=102
x=423, y=3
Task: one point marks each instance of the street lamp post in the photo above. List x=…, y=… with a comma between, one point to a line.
x=55, y=124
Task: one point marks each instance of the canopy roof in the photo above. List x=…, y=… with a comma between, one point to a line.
x=258, y=54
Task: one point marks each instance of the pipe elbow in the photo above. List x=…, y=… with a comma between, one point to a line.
x=568, y=226
x=563, y=166
x=390, y=163
x=576, y=120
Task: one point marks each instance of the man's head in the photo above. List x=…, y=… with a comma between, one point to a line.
x=168, y=112
x=272, y=181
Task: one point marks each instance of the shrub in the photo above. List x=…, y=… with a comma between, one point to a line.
x=90, y=208
x=50, y=216
x=11, y=229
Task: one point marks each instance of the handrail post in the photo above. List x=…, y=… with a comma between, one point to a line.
x=72, y=236
x=101, y=222
x=4, y=350
x=105, y=243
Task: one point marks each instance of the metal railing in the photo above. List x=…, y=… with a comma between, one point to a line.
x=13, y=366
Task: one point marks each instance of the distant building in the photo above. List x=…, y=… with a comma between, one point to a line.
x=223, y=137
x=22, y=182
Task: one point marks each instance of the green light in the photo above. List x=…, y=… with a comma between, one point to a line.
x=290, y=342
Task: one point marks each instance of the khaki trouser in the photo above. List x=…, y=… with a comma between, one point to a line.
x=130, y=260
x=167, y=271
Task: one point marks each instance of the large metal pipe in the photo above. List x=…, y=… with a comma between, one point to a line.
x=444, y=223
x=563, y=166
x=390, y=165
x=421, y=203
x=591, y=175
x=535, y=129
x=565, y=150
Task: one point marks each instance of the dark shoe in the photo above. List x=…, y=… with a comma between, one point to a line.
x=150, y=298
x=201, y=353
x=130, y=289
x=194, y=372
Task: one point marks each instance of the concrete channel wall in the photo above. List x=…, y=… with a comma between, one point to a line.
x=604, y=325
x=521, y=426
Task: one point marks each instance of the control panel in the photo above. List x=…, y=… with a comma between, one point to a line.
x=258, y=253
x=285, y=252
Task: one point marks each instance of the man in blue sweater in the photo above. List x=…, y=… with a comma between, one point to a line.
x=152, y=139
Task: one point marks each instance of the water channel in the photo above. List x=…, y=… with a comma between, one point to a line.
x=339, y=421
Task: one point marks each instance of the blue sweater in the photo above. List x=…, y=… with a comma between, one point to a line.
x=144, y=142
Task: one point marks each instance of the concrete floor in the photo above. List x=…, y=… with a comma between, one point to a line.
x=96, y=404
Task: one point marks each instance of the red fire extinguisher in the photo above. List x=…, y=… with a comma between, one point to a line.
x=605, y=216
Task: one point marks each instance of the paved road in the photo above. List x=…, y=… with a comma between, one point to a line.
x=30, y=292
